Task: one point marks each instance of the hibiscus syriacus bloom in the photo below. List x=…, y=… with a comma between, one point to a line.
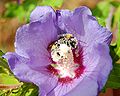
x=65, y=53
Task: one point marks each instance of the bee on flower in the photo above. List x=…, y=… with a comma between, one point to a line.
x=63, y=52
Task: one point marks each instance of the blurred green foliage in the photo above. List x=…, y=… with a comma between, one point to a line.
x=53, y=3
x=23, y=10
x=114, y=77
x=102, y=10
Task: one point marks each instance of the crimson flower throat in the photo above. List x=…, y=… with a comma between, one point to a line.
x=66, y=57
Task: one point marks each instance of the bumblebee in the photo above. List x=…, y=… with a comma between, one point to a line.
x=67, y=39
x=63, y=46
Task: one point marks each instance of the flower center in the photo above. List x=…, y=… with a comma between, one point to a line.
x=64, y=53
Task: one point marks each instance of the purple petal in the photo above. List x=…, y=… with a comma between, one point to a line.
x=82, y=25
x=33, y=40
x=45, y=81
x=87, y=87
x=62, y=89
x=40, y=13
x=66, y=23
x=98, y=63
x=17, y=65
x=94, y=33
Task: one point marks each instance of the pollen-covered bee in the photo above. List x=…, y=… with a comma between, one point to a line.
x=63, y=46
x=69, y=40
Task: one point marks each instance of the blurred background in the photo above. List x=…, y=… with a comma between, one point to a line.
x=14, y=13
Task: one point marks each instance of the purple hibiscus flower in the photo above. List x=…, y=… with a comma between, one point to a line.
x=65, y=53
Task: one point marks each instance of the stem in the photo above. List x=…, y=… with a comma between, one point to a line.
x=109, y=19
x=8, y=87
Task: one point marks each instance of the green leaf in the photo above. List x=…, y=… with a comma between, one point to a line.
x=101, y=21
x=26, y=89
x=3, y=70
x=1, y=53
x=104, y=7
x=29, y=89
x=115, y=3
x=113, y=54
x=116, y=25
x=3, y=63
x=114, y=77
x=10, y=79
x=101, y=12
x=27, y=12
x=117, y=17
x=10, y=8
x=53, y=3
x=20, y=13
x=27, y=3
